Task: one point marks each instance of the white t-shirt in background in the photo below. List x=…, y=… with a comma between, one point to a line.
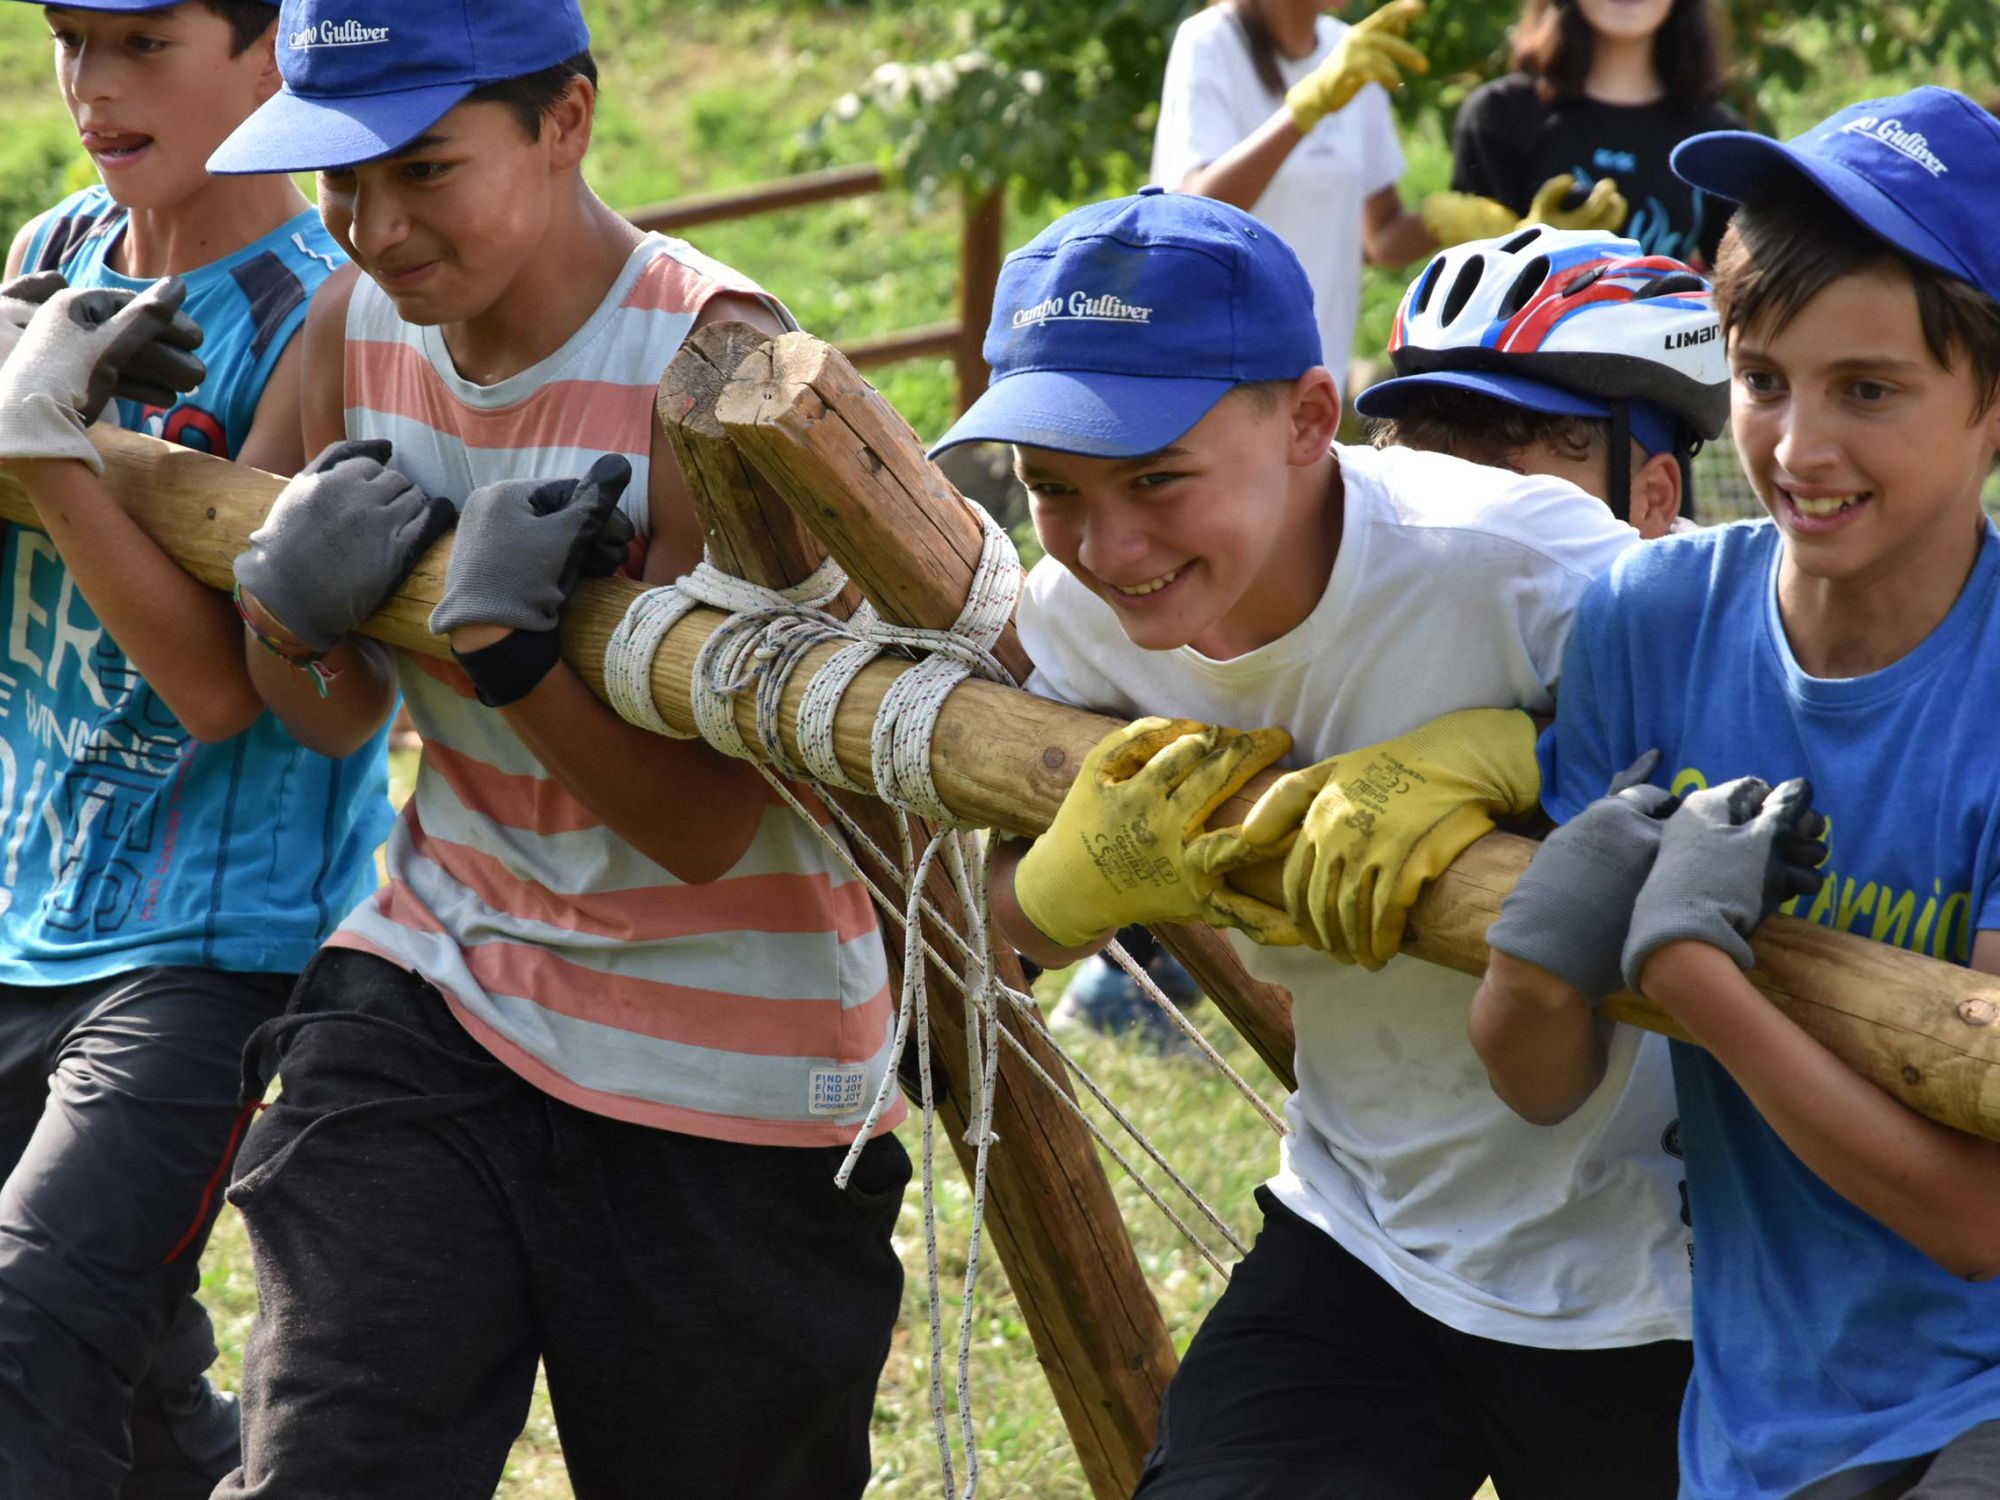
x=1453, y=588
x=1212, y=99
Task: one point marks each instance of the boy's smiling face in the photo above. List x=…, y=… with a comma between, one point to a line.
x=1867, y=452
x=153, y=93
x=1213, y=542
x=447, y=224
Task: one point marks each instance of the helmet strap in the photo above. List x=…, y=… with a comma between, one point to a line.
x=1686, y=446
x=1621, y=461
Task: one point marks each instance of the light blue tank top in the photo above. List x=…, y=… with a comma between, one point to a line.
x=125, y=843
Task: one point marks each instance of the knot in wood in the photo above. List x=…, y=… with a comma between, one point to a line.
x=1978, y=1012
x=871, y=460
x=1912, y=1075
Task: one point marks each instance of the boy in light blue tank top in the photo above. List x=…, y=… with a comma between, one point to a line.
x=1846, y=1312
x=169, y=856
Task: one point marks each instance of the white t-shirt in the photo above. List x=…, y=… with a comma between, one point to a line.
x=1212, y=99
x=1453, y=588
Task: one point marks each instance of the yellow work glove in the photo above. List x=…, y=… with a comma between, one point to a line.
x=1372, y=51
x=1605, y=208
x=1454, y=218
x=1363, y=833
x=1116, y=853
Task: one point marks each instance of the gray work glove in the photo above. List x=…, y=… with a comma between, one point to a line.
x=339, y=540
x=523, y=544
x=1730, y=856
x=20, y=300
x=76, y=352
x=1569, y=912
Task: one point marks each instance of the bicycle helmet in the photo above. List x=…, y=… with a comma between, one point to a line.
x=1625, y=334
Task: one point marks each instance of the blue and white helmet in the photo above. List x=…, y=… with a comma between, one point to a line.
x=1577, y=308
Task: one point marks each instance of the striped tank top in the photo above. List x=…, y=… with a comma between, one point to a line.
x=752, y=1008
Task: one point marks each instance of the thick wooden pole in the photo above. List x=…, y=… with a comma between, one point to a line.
x=1925, y=1031
x=1050, y=1210
x=855, y=473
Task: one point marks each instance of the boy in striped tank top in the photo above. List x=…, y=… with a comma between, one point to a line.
x=573, y=1084
x=169, y=856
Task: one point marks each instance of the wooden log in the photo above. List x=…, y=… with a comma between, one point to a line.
x=1925, y=1031
x=852, y=470
x=1051, y=1213
x=849, y=464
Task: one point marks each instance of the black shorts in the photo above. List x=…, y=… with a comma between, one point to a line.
x=1312, y=1379
x=713, y=1317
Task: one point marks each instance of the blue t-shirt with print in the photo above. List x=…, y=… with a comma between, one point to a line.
x=1824, y=1342
x=124, y=842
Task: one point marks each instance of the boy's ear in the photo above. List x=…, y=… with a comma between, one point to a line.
x=265, y=51
x=567, y=124
x=1315, y=415
x=1656, y=494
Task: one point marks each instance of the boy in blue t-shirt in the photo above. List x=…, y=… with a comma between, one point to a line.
x=171, y=857
x=1847, y=1329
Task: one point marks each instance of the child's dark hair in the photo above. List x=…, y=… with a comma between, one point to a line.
x=248, y=20
x=1553, y=43
x=1484, y=431
x=1257, y=37
x=1789, y=243
x=533, y=95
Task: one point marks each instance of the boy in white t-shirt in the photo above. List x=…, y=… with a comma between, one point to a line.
x=1440, y=1292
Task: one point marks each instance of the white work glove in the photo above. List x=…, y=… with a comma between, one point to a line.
x=72, y=357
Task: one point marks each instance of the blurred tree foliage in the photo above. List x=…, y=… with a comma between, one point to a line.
x=1057, y=98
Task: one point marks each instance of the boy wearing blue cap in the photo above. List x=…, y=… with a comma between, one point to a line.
x=1847, y=1332
x=1439, y=1292
x=573, y=1086
x=173, y=857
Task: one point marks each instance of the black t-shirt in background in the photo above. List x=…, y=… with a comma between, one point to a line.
x=1508, y=142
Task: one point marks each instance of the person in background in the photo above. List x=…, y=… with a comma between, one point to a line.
x=1278, y=108
x=1605, y=88
x=1569, y=354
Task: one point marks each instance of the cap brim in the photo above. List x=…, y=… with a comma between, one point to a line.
x=1652, y=425
x=1387, y=398
x=1097, y=415
x=298, y=133
x=1735, y=164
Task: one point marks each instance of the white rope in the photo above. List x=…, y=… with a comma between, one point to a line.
x=767, y=634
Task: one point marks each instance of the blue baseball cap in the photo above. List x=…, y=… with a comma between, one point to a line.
x=364, y=78
x=1120, y=325
x=1652, y=425
x=1916, y=169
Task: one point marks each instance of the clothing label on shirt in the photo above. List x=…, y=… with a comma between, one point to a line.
x=836, y=1091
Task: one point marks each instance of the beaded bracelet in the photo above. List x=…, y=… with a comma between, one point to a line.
x=313, y=665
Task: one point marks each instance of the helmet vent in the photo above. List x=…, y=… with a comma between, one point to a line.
x=1530, y=281
x=1670, y=284
x=1462, y=288
x=1522, y=240
x=1428, y=285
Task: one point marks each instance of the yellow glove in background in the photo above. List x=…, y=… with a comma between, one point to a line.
x=1605, y=208
x=1116, y=853
x=1454, y=218
x=1363, y=833
x=1372, y=51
